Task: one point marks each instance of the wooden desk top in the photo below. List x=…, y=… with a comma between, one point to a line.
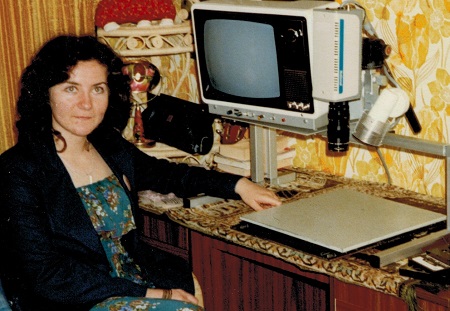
x=218, y=219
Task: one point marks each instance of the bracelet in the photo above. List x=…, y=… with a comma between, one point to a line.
x=167, y=294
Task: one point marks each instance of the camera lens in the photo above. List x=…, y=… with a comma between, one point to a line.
x=338, y=130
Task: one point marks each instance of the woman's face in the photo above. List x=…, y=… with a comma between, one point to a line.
x=79, y=104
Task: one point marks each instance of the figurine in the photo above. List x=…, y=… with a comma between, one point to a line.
x=144, y=78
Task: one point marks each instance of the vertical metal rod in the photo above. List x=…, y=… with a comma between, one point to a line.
x=271, y=155
x=447, y=189
x=257, y=154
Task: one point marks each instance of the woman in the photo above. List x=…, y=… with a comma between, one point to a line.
x=69, y=189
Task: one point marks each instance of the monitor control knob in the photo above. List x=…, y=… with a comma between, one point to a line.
x=292, y=35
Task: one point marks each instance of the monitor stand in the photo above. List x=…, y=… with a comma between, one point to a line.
x=263, y=149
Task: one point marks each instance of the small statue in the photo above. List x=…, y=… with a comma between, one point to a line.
x=144, y=78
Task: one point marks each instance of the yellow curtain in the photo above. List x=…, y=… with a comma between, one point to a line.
x=24, y=26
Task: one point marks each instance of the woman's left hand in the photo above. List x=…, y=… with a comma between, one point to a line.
x=255, y=195
x=175, y=294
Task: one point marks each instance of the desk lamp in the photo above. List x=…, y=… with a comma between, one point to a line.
x=374, y=124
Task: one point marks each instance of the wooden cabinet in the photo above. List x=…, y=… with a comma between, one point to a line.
x=158, y=231
x=235, y=278
x=349, y=297
x=433, y=302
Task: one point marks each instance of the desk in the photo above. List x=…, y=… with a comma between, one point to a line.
x=433, y=302
x=241, y=272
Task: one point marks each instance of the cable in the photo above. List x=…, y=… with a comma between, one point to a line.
x=385, y=167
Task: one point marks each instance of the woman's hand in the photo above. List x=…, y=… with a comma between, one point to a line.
x=255, y=195
x=177, y=294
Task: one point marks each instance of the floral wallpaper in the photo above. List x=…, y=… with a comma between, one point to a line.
x=419, y=33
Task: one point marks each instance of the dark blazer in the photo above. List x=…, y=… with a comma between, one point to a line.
x=51, y=254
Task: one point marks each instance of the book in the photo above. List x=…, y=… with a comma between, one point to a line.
x=241, y=149
x=243, y=168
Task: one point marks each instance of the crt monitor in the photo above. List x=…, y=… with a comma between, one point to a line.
x=256, y=60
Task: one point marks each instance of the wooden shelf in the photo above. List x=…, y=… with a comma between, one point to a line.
x=160, y=150
x=154, y=40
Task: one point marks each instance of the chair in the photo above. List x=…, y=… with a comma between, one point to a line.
x=198, y=291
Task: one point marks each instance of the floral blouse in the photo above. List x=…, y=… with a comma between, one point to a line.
x=109, y=208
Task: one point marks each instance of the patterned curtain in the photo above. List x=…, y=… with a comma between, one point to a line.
x=24, y=26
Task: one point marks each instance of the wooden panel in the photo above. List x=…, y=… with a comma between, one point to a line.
x=234, y=278
x=349, y=297
x=430, y=306
x=162, y=233
x=340, y=305
x=433, y=302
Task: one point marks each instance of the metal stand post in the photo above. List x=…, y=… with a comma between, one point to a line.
x=263, y=152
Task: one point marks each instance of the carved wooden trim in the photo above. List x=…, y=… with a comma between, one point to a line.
x=154, y=40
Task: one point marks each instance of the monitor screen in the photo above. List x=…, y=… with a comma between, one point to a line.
x=244, y=70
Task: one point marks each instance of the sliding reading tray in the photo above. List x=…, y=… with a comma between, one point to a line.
x=342, y=220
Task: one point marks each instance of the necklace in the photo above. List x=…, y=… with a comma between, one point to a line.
x=80, y=172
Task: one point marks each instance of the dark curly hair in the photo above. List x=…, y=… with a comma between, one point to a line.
x=51, y=66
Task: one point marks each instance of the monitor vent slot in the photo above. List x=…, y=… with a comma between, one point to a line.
x=297, y=90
